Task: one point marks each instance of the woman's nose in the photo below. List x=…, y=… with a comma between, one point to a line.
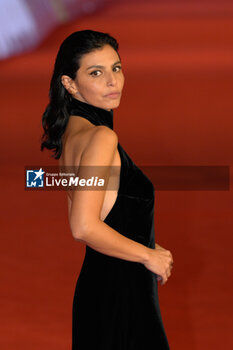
x=111, y=79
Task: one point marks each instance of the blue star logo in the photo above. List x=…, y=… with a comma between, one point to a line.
x=35, y=178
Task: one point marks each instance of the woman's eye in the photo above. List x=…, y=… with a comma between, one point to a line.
x=118, y=67
x=93, y=73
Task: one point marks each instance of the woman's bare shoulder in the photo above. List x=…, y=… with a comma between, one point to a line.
x=101, y=137
x=102, y=134
x=88, y=134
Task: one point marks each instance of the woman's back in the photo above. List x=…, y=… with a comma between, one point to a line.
x=75, y=140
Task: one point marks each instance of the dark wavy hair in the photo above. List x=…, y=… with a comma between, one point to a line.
x=56, y=115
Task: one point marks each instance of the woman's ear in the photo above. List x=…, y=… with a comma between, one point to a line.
x=69, y=84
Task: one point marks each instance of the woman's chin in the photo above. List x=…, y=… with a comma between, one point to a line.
x=113, y=104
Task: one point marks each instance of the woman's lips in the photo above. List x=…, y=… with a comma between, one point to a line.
x=113, y=95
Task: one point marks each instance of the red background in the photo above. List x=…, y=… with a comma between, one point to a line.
x=176, y=109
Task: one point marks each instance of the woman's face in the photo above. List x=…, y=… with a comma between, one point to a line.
x=100, y=74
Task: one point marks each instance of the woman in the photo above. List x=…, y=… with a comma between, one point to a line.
x=115, y=305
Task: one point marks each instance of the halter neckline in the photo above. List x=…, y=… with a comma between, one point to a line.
x=96, y=115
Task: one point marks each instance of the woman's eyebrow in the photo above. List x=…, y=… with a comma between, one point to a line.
x=98, y=66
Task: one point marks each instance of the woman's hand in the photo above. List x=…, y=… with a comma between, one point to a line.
x=157, y=246
x=160, y=262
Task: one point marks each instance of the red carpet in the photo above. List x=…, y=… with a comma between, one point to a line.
x=178, y=64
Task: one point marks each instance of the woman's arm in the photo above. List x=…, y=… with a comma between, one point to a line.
x=108, y=241
x=85, y=222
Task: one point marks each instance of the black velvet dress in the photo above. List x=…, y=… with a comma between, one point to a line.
x=115, y=305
